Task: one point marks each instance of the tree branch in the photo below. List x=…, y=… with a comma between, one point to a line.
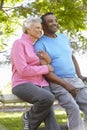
x=1, y=4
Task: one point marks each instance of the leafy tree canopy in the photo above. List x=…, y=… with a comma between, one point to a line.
x=71, y=15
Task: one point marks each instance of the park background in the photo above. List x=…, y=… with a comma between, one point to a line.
x=72, y=20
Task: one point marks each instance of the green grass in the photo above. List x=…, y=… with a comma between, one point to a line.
x=61, y=116
x=12, y=120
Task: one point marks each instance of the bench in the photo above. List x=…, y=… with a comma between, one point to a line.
x=6, y=99
x=11, y=98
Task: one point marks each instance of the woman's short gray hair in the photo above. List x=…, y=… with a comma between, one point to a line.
x=28, y=22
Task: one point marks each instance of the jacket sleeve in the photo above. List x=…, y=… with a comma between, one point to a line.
x=19, y=62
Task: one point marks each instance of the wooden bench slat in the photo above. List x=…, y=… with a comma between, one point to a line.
x=9, y=98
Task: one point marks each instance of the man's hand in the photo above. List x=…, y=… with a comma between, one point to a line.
x=71, y=89
x=51, y=77
x=83, y=78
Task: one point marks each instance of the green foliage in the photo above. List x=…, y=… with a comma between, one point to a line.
x=71, y=15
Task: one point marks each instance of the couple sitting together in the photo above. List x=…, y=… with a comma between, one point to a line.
x=44, y=69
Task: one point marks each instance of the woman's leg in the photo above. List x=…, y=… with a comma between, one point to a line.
x=41, y=99
x=50, y=120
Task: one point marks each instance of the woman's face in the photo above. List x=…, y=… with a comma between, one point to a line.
x=35, y=31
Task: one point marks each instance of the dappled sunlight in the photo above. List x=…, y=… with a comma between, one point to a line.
x=58, y=112
x=11, y=114
x=61, y=116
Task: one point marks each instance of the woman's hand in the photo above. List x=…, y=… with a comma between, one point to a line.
x=44, y=57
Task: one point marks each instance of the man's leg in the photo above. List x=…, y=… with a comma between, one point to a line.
x=81, y=99
x=71, y=107
x=41, y=99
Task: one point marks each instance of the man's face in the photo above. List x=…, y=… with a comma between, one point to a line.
x=50, y=24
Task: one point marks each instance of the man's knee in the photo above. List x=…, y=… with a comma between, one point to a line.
x=74, y=109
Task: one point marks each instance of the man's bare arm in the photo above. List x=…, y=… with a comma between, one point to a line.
x=51, y=77
x=78, y=69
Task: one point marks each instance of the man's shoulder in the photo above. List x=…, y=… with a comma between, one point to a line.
x=61, y=35
x=42, y=37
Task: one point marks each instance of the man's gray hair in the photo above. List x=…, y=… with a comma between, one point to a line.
x=28, y=22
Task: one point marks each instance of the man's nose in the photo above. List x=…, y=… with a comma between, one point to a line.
x=55, y=23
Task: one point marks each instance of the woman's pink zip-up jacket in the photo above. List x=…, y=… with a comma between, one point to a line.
x=25, y=64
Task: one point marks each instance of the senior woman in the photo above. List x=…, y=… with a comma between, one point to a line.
x=28, y=82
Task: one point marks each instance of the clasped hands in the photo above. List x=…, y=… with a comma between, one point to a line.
x=45, y=59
